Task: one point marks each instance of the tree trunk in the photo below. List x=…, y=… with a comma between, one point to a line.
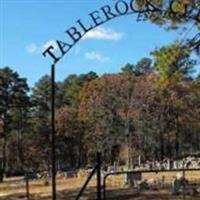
x=1, y=170
x=161, y=146
x=177, y=135
x=4, y=160
x=80, y=152
x=177, y=144
x=20, y=152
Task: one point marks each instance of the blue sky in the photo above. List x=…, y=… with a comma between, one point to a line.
x=27, y=26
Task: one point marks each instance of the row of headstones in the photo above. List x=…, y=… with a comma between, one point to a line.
x=179, y=185
x=167, y=164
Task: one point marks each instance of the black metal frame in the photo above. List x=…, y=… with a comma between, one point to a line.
x=27, y=187
x=53, y=156
x=151, y=9
x=97, y=169
x=139, y=171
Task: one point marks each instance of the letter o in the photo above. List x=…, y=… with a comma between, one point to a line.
x=118, y=7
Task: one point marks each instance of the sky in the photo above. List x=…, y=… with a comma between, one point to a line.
x=28, y=26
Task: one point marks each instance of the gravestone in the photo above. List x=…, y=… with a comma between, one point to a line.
x=131, y=179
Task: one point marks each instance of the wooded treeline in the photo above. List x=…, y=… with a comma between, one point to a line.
x=152, y=107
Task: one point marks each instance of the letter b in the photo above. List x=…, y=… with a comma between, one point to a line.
x=74, y=34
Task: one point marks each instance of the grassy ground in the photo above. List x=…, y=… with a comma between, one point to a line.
x=67, y=189
x=127, y=194
x=13, y=188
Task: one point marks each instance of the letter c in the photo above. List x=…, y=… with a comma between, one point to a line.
x=119, y=9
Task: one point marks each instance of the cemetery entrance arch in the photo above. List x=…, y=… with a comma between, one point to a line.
x=74, y=34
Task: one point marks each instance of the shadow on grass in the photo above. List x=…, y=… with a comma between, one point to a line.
x=132, y=194
x=90, y=194
x=122, y=194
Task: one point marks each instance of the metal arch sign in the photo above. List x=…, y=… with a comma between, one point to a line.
x=96, y=18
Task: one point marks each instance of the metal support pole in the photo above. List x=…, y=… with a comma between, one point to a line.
x=98, y=176
x=27, y=187
x=104, y=187
x=86, y=183
x=184, y=181
x=53, y=158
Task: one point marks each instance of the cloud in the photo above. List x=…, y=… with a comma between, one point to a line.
x=32, y=48
x=96, y=56
x=100, y=33
x=37, y=49
x=49, y=43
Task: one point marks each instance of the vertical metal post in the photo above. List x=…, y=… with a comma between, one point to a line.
x=104, y=187
x=184, y=196
x=98, y=176
x=53, y=158
x=27, y=187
